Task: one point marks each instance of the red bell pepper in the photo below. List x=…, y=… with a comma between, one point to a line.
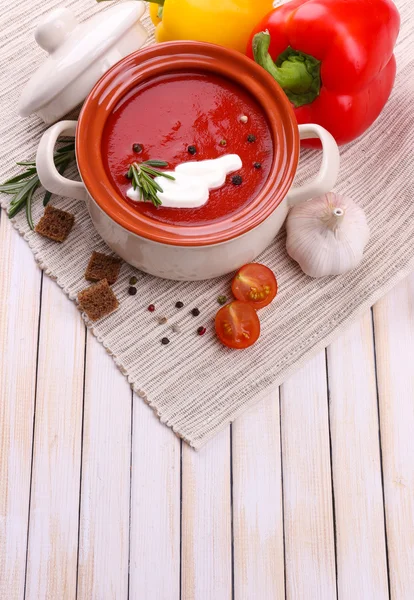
x=333, y=58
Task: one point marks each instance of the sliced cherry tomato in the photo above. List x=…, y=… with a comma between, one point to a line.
x=237, y=325
x=255, y=284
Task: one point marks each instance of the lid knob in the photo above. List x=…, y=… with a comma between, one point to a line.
x=54, y=28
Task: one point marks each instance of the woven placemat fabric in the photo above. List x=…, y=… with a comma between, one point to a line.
x=195, y=385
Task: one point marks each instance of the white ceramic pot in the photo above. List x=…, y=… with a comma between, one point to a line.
x=186, y=262
x=167, y=250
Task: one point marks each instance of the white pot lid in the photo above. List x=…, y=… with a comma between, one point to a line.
x=73, y=48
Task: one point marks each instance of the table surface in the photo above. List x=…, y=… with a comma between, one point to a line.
x=308, y=496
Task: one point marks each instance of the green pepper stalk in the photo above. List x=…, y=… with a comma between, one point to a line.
x=296, y=72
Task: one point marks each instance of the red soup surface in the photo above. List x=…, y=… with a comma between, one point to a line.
x=169, y=114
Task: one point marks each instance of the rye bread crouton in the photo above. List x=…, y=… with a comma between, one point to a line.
x=55, y=224
x=98, y=300
x=102, y=266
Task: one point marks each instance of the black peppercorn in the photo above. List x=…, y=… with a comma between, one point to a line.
x=133, y=280
x=236, y=180
x=137, y=148
x=179, y=304
x=192, y=150
x=132, y=291
x=195, y=312
x=251, y=138
x=165, y=341
x=257, y=165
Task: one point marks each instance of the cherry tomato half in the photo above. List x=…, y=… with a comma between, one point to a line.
x=237, y=325
x=255, y=284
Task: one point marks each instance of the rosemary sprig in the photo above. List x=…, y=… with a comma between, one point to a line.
x=142, y=179
x=23, y=186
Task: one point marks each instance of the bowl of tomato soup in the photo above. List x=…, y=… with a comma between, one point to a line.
x=187, y=153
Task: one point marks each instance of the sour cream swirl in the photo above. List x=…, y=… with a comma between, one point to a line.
x=193, y=181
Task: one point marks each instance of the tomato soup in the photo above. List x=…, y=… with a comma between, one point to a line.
x=171, y=113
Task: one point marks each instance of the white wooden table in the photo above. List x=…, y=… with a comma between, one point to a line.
x=309, y=496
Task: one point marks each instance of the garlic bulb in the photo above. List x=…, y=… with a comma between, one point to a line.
x=327, y=235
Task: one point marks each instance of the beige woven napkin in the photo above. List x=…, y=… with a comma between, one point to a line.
x=195, y=385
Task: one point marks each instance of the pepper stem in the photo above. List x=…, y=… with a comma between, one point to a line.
x=296, y=72
x=160, y=3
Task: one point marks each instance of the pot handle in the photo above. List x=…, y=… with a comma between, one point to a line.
x=328, y=173
x=49, y=176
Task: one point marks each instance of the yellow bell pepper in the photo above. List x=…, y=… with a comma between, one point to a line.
x=225, y=22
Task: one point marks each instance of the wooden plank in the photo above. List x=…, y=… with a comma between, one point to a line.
x=155, y=508
x=19, y=317
x=308, y=511
x=54, y=508
x=106, y=473
x=257, y=503
x=359, y=508
x=206, y=561
x=394, y=337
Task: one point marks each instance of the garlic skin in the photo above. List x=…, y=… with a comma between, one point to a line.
x=327, y=235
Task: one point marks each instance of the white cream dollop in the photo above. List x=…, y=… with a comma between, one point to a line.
x=193, y=181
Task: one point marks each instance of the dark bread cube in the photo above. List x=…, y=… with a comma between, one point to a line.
x=101, y=266
x=98, y=300
x=55, y=224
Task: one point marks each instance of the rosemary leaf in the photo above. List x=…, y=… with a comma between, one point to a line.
x=64, y=149
x=20, y=200
x=23, y=186
x=29, y=208
x=46, y=198
x=10, y=189
x=142, y=177
x=157, y=187
x=163, y=174
x=155, y=163
x=62, y=158
x=135, y=178
x=147, y=178
x=152, y=182
x=153, y=172
x=144, y=186
x=158, y=173
x=24, y=175
x=21, y=195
